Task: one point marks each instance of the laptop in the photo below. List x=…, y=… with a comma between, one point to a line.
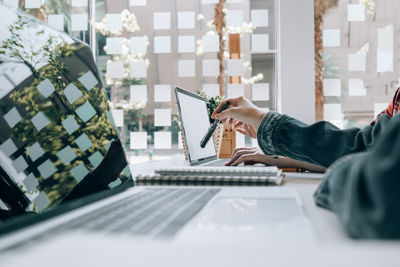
x=63, y=168
x=195, y=122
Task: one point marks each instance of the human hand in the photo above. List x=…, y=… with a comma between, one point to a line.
x=241, y=110
x=245, y=129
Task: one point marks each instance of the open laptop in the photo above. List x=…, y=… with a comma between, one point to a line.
x=63, y=168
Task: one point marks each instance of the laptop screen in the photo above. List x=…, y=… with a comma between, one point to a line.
x=57, y=139
x=194, y=117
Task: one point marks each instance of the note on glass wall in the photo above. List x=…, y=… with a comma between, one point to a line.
x=137, y=2
x=379, y=107
x=186, y=20
x=332, y=87
x=332, y=112
x=331, y=38
x=210, y=67
x=138, y=93
x=114, y=22
x=162, y=20
x=115, y=69
x=162, y=93
x=210, y=43
x=186, y=68
x=162, y=44
x=356, y=87
x=114, y=45
x=11, y=3
x=356, y=12
x=235, y=90
x=186, y=44
x=234, y=18
x=234, y=1
x=259, y=43
x=211, y=89
x=79, y=22
x=162, y=140
x=235, y=67
x=79, y=3
x=138, y=45
x=138, y=69
x=138, y=140
x=32, y=3
x=209, y=1
x=385, y=49
x=357, y=62
x=56, y=21
x=260, y=92
x=162, y=117
x=259, y=17
x=118, y=116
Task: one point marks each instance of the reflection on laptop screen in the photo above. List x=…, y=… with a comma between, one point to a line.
x=196, y=123
x=57, y=142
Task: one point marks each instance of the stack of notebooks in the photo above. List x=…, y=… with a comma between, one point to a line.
x=212, y=175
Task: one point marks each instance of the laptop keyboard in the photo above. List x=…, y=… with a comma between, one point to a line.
x=154, y=212
x=218, y=162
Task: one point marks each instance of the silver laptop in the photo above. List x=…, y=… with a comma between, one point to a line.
x=63, y=168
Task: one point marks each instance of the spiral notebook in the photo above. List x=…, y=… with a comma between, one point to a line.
x=235, y=176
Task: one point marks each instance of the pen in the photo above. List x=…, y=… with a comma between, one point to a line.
x=212, y=128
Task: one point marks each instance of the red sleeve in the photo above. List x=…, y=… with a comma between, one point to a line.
x=394, y=104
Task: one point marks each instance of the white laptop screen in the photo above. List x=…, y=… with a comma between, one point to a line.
x=194, y=116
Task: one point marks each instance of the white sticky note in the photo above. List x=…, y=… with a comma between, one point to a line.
x=260, y=92
x=118, y=116
x=240, y=140
x=186, y=44
x=211, y=89
x=385, y=49
x=186, y=68
x=32, y=3
x=209, y=1
x=379, y=107
x=138, y=140
x=162, y=117
x=259, y=17
x=356, y=12
x=162, y=44
x=40, y=121
x=79, y=22
x=235, y=67
x=11, y=3
x=56, y=21
x=234, y=18
x=357, y=62
x=162, y=20
x=210, y=67
x=235, y=90
x=72, y=93
x=137, y=2
x=114, y=22
x=138, y=69
x=186, y=20
x=356, y=87
x=210, y=43
x=138, y=93
x=162, y=93
x=79, y=3
x=259, y=43
x=139, y=45
x=234, y=1
x=12, y=117
x=162, y=140
x=332, y=87
x=332, y=112
x=115, y=69
x=331, y=38
x=114, y=45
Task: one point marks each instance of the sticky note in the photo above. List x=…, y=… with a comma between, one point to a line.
x=138, y=69
x=47, y=169
x=11, y=3
x=32, y=4
x=332, y=112
x=186, y=20
x=259, y=17
x=356, y=87
x=95, y=159
x=79, y=172
x=356, y=12
x=137, y=2
x=114, y=45
x=20, y=164
x=139, y=45
x=46, y=88
x=235, y=67
x=234, y=18
x=66, y=155
x=88, y=80
x=83, y=142
x=210, y=43
x=259, y=43
x=209, y=1
x=356, y=62
x=115, y=69
x=379, y=107
x=79, y=22
x=162, y=140
x=240, y=140
x=138, y=140
x=8, y=147
x=79, y=3
x=211, y=89
x=114, y=22
x=331, y=38
x=12, y=117
x=138, y=93
x=186, y=68
x=260, y=92
x=40, y=121
x=85, y=111
x=162, y=20
x=56, y=21
x=332, y=87
x=72, y=93
x=30, y=182
x=235, y=90
x=41, y=202
x=210, y=68
x=234, y=1
x=118, y=116
x=385, y=49
x=162, y=93
x=186, y=44
x=70, y=124
x=35, y=151
x=162, y=117
x=162, y=44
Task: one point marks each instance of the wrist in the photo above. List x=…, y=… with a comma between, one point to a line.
x=258, y=118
